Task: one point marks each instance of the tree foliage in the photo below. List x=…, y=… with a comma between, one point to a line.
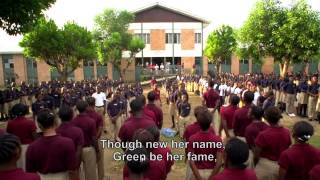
x=62, y=49
x=288, y=34
x=19, y=16
x=221, y=44
x=111, y=34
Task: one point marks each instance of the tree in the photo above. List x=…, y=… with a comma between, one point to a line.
x=63, y=49
x=111, y=34
x=221, y=44
x=289, y=35
x=20, y=16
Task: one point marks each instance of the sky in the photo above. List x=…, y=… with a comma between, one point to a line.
x=218, y=12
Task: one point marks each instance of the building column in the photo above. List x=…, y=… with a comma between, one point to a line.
x=1, y=72
x=20, y=68
x=78, y=73
x=95, y=75
x=44, y=73
x=110, y=70
x=250, y=65
x=235, y=65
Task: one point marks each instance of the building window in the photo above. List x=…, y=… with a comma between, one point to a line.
x=244, y=61
x=145, y=37
x=8, y=68
x=172, y=38
x=198, y=38
x=88, y=63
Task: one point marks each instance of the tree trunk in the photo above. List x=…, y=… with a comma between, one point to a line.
x=284, y=67
x=305, y=67
x=64, y=74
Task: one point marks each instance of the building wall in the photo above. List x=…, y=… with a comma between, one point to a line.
x=20, y=68
x=43, y=71
x=78, y=73
x=268, y=65
x=235, y=64
x=205, y=66
x=187, y=39
x=157, y=39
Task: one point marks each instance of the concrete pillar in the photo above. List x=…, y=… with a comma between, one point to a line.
x=95, y=70
x=235, y=64
x=250, y=65
x=78, y=73
x=1, y=72
x=44, y=73
x=20, y=68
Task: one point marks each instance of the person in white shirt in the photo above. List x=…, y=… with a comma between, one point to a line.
x=162, y=67
x=101, y=101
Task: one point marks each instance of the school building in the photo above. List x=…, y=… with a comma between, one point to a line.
x=170, y=35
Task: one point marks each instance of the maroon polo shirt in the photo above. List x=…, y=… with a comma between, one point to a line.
x=238, y=174
x=298, y=160
x=227, y=114
x=1, y=131
x=88, y=127
x=202, y=136
x=192, y=129
x=131, y=125
x=273, y=141
x=241, y=120
x=67, y=129
x=127, y=178
x=97, y=118
x=51, y=154
x=158, y=113
x=315, y=172
x=211, y=98
x=163, y=152
x=157, y=93
x=156, y=171
x=149, y=114
x=23, y=128
x=253, y=130
x=18, y=174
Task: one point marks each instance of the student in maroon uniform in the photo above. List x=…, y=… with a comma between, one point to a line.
x=136, y=121
x=23, y=128
x=195, y=127
x=252, y=131
x=136, y=168
x=203, y=169
x=1, y=131
x=90, y=150
x=297, y=161
x=67, y=129
x=157, y=168
x=315, y=173
x=52, y=156
x=99, y=126
x=235, y=156
x=227, y=115
x=241, y=116
x=163, y=151
x=156, y=110
x=9, y=154
x=157, y=100
x=269, y=144
x=211, y=98
x=147, y=112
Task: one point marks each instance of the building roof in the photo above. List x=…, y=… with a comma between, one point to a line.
x=171, y=9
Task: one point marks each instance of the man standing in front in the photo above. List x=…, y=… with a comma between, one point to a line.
x=100, y=103
x=211, y=100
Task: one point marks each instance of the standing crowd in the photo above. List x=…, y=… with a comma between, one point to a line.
x=243, y=112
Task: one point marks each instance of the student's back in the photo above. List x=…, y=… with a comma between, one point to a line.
x=299, y=160
x=18, y=174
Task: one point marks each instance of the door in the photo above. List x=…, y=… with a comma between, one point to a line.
x=199, y=65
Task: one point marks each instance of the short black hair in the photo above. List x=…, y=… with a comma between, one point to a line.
x=248, y=97
x=257, y=112
x=151, y=96
x=20, y=109
x=211, y=83
x=65, y=113
x=142, y=98
x=237, y=152
x=303, y=131
x=137, y=166
x=154, y=130
x=205, y=120
x=8, y=146
x=136, y=105
x=143, y=136
x=82, y=106
x=272, y=115
x=234, y=100
x=45, y=118
x=198, y=110
x=91, y=101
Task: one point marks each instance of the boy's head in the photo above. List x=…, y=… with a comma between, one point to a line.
x=184, y=97
x=248, y=97
x=91, y=101
x=136, y=106
x=46, y=119
x=236, y=153
x=151, y=96
x=272, y=115
x=139, y=166
x=234, y=100
x=256, y=113
x=302, y=131
x=198, y=110
x=154, y=130
x=65, y=113
x=204, y=119
x=19, y=110
x=143, y=136
x=82, y=106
